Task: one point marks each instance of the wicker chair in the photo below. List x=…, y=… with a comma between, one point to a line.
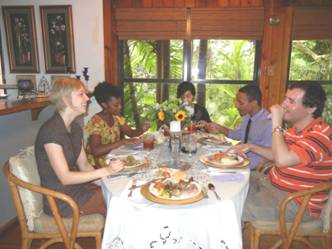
x=24, y=182
x=299, y=231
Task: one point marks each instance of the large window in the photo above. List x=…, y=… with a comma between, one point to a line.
x=312, y=61
x=152, y=70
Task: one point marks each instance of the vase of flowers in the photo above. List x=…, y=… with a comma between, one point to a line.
x=174, y=109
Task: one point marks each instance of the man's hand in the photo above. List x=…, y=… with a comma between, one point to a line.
x=277, y=112
x=239, y=149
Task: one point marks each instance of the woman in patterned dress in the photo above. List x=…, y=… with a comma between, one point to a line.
x=104, y=128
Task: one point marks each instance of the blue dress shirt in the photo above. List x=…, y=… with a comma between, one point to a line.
x=260, y=133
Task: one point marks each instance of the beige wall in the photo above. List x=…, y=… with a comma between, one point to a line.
x=18, y=130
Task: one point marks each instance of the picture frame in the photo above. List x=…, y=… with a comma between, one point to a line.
x=26, y=81
x=57, y=28
x=21, y=39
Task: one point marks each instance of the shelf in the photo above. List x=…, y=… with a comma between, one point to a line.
x=35, y=106
x=8, y=86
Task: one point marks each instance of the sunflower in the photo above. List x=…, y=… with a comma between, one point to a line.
x=180, y=116
x=161, y=116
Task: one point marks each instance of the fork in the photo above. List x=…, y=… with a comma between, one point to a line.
x=133, y=186
x=204, y=192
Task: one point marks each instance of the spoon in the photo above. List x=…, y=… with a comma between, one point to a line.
x=213, y=188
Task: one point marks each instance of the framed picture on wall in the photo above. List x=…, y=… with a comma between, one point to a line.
x=57, y=26
x=26, y=84
x=21, y=39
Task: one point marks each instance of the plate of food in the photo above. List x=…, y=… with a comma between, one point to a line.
x=212, y=139
x=224, y=160
x=173, y=187
x=133, y=162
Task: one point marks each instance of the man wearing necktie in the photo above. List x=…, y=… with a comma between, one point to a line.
x=246, y=134
x=255, y=127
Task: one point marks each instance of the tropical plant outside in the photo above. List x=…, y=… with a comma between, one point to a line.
x=225, y=60
x=220, y=98
x=312, y=61
x=228, y=60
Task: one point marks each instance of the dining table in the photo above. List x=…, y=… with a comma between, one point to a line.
x=135, y=221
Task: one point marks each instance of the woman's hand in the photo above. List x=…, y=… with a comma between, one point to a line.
x=115, y=166
x=213, y=127
x=201, y=124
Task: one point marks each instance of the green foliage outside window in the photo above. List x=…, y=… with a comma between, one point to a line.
x=225, y=60
x=312, y=60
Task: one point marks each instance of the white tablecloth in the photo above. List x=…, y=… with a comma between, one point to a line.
x=134, y=222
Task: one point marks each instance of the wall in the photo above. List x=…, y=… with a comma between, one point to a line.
x=18, y=130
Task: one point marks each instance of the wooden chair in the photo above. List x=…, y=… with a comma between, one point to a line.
x=298, y=230
x=24, y=182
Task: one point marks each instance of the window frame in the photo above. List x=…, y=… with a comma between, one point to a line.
x=2, y=68
x=187, y=59
x=321, y=82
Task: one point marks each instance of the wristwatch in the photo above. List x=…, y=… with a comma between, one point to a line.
x=277, y=129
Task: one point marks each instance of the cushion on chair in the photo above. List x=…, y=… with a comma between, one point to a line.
x=24, y=167
x=87, y=223
x=326, y=212
x=315, y=225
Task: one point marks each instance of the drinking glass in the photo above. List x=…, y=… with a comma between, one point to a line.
x=191, y=145
x=148, y=141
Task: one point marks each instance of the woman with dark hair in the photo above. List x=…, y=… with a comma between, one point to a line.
x=186, y=91
x=104, y=128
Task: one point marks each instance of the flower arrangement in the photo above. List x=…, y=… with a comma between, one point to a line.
x=57, y=31
x=174, y=109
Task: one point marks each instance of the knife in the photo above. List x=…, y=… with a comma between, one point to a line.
x=128, y=174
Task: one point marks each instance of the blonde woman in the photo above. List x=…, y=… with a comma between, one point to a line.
x=60, y=156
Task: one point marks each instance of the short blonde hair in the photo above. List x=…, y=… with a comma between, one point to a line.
x=63, y=87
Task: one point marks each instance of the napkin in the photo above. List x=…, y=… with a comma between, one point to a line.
x=235, y=177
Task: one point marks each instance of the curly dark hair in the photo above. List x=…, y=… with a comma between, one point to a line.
x=253, y=93
x=185, y=86
x=104, y=91
x=314, y=96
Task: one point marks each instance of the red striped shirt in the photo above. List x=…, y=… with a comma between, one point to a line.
x=313, y=145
